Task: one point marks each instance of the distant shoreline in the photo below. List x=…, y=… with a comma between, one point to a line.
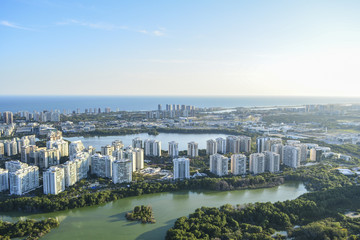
x=148, y=103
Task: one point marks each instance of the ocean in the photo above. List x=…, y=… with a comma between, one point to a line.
x=138, y=103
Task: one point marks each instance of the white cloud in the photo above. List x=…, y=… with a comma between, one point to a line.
x=13, y=25
x=158, y=33
x=110, y=27
x=102, y=26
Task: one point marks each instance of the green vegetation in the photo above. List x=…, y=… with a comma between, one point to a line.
x=317, y=213
x=28, y=229
x=141, y=213
x=319, y=177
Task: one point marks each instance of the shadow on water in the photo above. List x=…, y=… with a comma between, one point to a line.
x=118, y=217
x=158, y=233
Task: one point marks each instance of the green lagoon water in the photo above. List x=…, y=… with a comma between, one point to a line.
x=108, y=221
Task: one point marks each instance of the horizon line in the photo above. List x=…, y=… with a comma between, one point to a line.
x=182, y=96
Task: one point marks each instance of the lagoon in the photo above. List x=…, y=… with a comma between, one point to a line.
x=165, y=138
x=108, y=221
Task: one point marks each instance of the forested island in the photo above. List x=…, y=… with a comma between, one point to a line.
x=28, y=229
x=142, y=213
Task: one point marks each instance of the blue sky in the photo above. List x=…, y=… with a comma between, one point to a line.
x=180, y=47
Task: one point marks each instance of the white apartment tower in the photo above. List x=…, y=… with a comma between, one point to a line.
x=173, y=149
x=137, y=143
x=257, y=163
x=221, y=145
x=4, y=179
x=278, y=148
x=272, y=162
x=291, y=156
x=24, y=180
x=14, y=165
x=238, y=164
x=193, y=149
x=54, y=180
x=122, y=171
x=48, y=158
x=102, y=165
x=69, y=173
x=211, y=147
x=152, y=147
x=107, y=150
x=117, y=145
x=139, y=158
x=181, y=168
x=219, y=164
x=75, y=147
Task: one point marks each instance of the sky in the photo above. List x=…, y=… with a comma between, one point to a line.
x=180, y=48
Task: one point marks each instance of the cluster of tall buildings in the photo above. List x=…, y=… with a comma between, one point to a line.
x=257, y=163
x=7, y=117
x=19, y=177
x=118, y=163
x=14, y=146
x=292, y=154
x=43, y=116
x=45, y=157
x=230, y=144
x=57, y=177
x=172, y=111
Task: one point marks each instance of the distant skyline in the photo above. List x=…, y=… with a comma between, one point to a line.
x=179, y=48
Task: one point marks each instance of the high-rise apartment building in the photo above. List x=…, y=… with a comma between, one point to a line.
x=122, y=171
x=181, y=168
x=221, y=145
x=219, y=164
x=291, y=156
x=278, y=148
x=75, y=147
x=272, y=162
x=8, y=117
x=152, y=147
x=257, y=163
x=2, y=150
x=14, y=165
x=24, y=180
x=4, y=179
x=193, y=149
x=238, y=164
x=102, y=165
x=48, y=158
x=139, y=159
x=54, y=180
x=117, y=145
x=211, y=147
x=137, y=143
x=61, y=145
x=173, y=149
x=107, y=150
